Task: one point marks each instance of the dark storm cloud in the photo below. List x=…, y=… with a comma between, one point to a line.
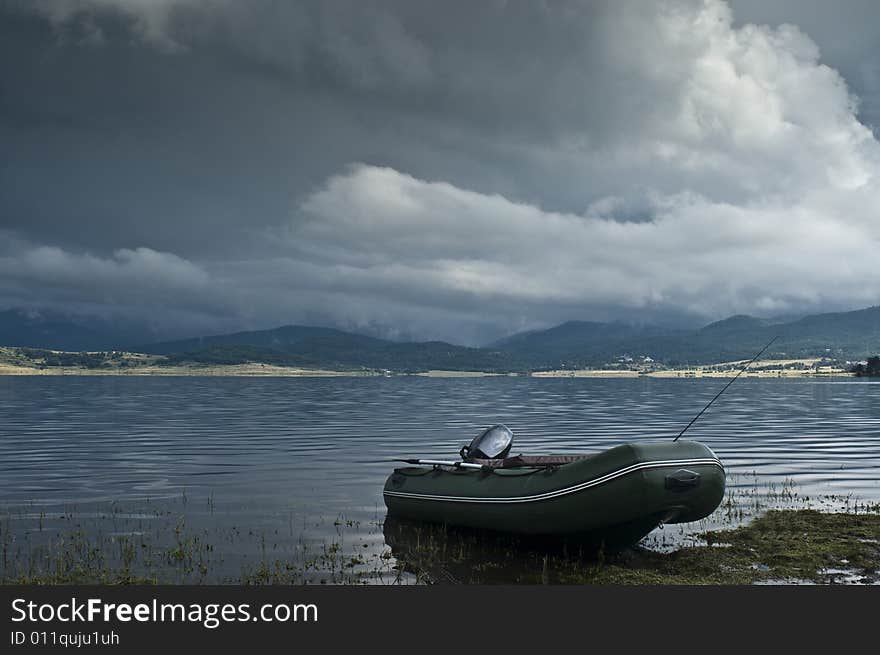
x=452, y=170
x=223, y=114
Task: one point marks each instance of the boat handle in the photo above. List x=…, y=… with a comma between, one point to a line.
x=682, y=480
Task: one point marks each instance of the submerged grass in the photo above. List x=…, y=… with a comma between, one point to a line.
x=759, y=534
x=158, y=547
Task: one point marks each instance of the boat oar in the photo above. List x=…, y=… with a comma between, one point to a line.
x=442, y=462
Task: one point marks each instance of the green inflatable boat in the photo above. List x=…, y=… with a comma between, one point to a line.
x=623, y=492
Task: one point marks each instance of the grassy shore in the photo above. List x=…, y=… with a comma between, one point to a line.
x=206, y=370
x=20, y=361
x=791, y=546
x=780, y=547
x=24, y=361
x=766, y=368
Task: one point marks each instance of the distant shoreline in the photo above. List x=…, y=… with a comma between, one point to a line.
x=268, y=370
x=236, y=370
x=19, y=361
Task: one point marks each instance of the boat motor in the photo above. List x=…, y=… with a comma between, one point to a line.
x=491, y=443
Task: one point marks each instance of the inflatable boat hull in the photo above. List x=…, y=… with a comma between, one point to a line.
x=625, y=491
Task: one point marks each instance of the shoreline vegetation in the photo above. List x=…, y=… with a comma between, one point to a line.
x=775, y=546
x=28, y=361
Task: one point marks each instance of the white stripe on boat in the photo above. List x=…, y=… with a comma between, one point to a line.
x=669, y=463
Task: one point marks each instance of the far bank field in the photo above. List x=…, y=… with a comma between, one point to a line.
x=30, y=361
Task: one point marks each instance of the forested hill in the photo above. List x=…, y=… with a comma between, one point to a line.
x=310, y=347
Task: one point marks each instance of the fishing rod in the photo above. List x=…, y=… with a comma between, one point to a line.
x=718, y=395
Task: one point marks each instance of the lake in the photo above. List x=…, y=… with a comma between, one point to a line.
x=253, y=470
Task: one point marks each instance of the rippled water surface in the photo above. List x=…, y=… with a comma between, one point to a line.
x=291, y=456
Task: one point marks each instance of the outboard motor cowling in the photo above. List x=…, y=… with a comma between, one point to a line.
x=491, y=443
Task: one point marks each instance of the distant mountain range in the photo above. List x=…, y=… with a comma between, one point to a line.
x=841, y=336
x=577, y=344
x=47, y=329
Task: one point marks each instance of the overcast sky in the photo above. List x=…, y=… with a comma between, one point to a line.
x=453, y=170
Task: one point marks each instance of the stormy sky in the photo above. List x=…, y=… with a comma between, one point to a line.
x=450, y=170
